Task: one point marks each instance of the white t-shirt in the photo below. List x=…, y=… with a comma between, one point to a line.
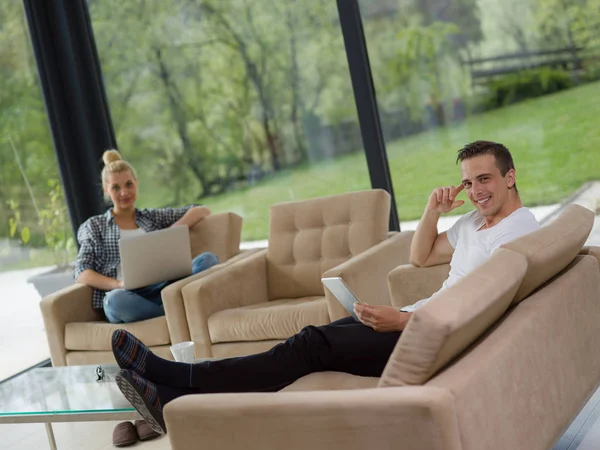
x=124, y=235
x=473, y=247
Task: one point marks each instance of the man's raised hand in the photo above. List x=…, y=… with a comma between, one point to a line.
x=443, y=199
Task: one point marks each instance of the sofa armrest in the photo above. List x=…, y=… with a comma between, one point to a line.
x=218, y=233
x=592, y=251
x=173, y=299
x=241, y=283
x=366, y=273
x=409, y=284
x=415, y=417
x=71, y=304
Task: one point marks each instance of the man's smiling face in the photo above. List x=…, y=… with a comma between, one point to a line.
x=484, y=184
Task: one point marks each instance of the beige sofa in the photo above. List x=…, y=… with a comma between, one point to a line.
x=504, y=359
x=259, y=301
x=77, y=334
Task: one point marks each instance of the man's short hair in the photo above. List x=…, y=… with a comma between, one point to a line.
x=504, y=160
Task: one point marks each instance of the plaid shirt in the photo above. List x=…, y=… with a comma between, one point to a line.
x=98, y=238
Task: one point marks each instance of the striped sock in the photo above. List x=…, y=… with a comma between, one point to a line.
x=130, y=352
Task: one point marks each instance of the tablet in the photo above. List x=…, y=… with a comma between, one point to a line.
x=342, y=293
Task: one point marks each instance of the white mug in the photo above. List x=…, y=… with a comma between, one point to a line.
x=183, y=352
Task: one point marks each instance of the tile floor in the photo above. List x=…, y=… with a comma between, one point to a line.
x=19, y=299
x=69, y=436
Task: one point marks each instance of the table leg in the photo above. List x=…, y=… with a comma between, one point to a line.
x=50, y=433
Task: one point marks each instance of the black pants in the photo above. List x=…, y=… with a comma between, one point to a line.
x=343, y=346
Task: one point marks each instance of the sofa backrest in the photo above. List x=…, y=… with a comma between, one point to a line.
x=219, y=234
x=447, y=324
x=551, y=248
x=309, y=237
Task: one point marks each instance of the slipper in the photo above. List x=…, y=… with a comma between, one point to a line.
x=124, y=435
x=144, y=432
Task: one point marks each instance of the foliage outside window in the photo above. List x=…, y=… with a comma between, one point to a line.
x=32, y=211
x=53, y=222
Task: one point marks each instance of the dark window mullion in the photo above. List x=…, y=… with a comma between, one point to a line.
x=366, y=101
x=76, y=105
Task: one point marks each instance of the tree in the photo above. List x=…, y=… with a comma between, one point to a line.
x=423, y=56
x=569, y=23
x=464, y=14
x=220, y=87
x=516, y=21
x=23, y=123
x=415, y=63
x=573, y=24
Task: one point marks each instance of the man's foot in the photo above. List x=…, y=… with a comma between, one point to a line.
x=130, y=352
x=143, y=395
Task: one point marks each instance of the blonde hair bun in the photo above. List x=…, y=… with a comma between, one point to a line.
x=110, y=156
x=114, y=164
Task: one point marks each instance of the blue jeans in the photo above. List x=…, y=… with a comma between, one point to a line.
x=123, y=306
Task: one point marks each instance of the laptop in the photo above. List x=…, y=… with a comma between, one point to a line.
x=342, y=293
x=156, y=256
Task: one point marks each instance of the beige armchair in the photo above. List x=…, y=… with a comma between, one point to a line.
x=78, y=334
x=259, y=301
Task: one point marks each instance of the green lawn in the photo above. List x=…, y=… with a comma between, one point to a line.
x=555, y=141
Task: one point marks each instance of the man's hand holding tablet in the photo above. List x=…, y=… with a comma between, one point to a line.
x=381, y=318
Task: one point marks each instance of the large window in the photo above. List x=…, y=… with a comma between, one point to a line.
x=525, y=73
x=234, y=104
x=35, y=232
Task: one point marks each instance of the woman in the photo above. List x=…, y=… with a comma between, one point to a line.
x=98, y=264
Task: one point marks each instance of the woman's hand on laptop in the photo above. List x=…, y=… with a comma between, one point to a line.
x=96, y=280
x=118, y=284
x=380, y=317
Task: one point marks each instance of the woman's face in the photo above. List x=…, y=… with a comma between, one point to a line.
x=122, y=189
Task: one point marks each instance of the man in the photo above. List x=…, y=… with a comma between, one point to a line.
x=360, y=348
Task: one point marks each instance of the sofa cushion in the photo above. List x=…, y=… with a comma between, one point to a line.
x=551, y=248
x=278, y=319
x=443, y=327
x=308, y=238
x=331, y=381
x=97, y=335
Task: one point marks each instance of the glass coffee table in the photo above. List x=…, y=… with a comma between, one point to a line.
x=64, y=394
